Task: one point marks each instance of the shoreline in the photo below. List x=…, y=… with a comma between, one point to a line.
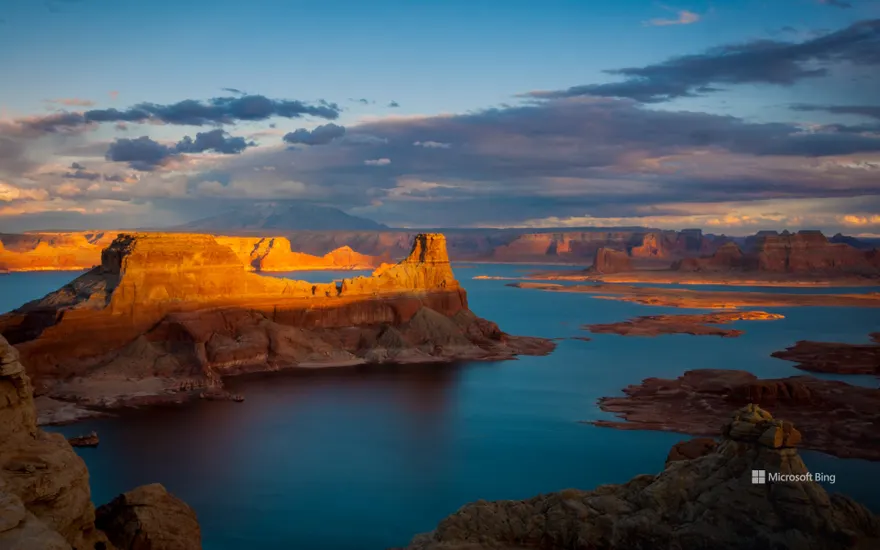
x=629, y=278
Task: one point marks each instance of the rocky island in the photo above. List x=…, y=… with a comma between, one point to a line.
x=45, y=501
x=704, y=498
x=165, y=317
x=835, y=417
x=695, y=325
x=834, y=357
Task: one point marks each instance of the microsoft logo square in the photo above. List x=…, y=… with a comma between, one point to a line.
x=759, y=477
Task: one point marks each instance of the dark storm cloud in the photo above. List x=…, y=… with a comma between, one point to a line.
x=214, y=140
x=146, y=154
x=78, y=171
x=757, y=62
x=872, y=111
x=140, y=153
x=216, y=111
x=321, y=135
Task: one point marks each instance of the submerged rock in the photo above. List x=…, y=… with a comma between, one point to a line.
x=706, y=502
x=88, y=440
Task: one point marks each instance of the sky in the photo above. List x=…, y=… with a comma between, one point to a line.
x=728, y=116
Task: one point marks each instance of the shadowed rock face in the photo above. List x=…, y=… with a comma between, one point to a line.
x=150, y=518
x=608, y=260
x=167, y=316
x=836, y=418
x=837, y=358
x=706, y=501
x=802, y=253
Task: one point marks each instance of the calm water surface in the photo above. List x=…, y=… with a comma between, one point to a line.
x=363, y=458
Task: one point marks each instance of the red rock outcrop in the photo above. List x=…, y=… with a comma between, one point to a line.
x=166, y=316
x=275, y=254
x=836, y=358
x=52, y=251
x=801, y=253
x=150, y=518
x=607, y=260
x=836, y=418
x=708, y=501
x=701, y=324
x=45, y=502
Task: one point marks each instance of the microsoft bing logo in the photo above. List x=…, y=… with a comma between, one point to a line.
x=759, y=477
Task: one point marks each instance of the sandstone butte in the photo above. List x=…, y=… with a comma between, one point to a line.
x=80, y=251
x=704, y=498
x=45, y=503
x=166, y=316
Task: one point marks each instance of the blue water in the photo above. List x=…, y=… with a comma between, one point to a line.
x=363, y=458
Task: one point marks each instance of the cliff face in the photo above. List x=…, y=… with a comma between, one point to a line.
x=166, y=316
x=45, y=501
x=52, y=251
x=275, y=254
x=44, y=485
x=610, y=261
x=802, y=253
x=708, y=501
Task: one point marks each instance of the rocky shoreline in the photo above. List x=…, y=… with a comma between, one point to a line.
x=833, y=357
x=704, y=498
x=835, y=417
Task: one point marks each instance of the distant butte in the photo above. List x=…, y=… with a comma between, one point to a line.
x=166, y=316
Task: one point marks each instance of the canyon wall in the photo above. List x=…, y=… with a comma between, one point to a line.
x=167, y=316
x=801, y=253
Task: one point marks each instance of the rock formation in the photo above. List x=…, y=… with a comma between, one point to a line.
x=706, y=502
x=275, y=254
x=166, y=316
x=836, y=418
x=833, y=357
x=52, y=251
x=150, y=518
x=700, y=324
x=45, y=501
x=801, y=253
x=607, y=260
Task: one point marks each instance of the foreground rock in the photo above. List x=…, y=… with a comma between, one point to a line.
x=150, y=518
x=45, y=501
x=696, y=325
x=708, y=299
x=166, y=316
x=836, y=418
x=703, y=502
x=835, y=358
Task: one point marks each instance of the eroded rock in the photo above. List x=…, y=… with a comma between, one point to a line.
x=150, y=518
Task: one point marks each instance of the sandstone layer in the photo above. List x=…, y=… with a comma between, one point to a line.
x=834, y=357
x=708, y=501
x=607, y=260
x=836, y=418
x=45, y=501
x=150, y=518
x=695, y=325
x=707, y=299
x=166, y=316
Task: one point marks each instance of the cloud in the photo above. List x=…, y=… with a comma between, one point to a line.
x=321, y=135
x=432, y=144
x=393, y=104
x=146, y=154
x=216, y=111
x=872, y=111
x=114, y=94
x=685, y=17
x=72, y=102
x=10, y=193
x=362, y=101
x=771, y=62
x=378, y=162
x=835, y=3
x=214, y=140
x=234, y=91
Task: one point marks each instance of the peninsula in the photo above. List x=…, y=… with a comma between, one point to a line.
x=166, y=317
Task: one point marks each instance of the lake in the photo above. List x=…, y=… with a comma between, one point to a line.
x=364, y=458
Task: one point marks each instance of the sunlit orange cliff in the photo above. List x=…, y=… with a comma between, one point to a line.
x=167, y=316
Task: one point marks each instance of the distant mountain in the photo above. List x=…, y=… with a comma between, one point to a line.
x=282, y=217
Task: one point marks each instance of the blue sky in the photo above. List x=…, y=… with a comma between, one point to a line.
x=436, y=60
